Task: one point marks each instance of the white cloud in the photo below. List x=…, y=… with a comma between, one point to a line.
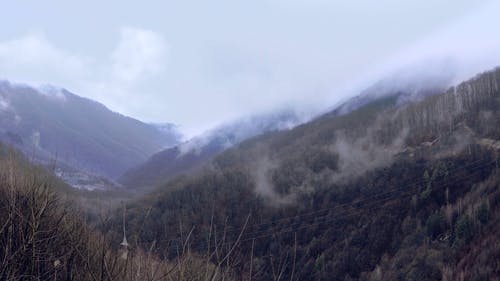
x=460, y=49
x=139, y=58
x=227, y=59
x=33, y=58
x=52, y=91
x=139, y=53
x=4, y=104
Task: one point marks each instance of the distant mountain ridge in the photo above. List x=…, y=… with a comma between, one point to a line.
x=196, y=152
x=52, y=123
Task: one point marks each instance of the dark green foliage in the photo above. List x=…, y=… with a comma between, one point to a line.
x=464, y=229
x=342, y=241
x=435, y=225
x=483, y=213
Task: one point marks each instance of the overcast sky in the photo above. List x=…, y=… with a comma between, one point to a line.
x=199, y=63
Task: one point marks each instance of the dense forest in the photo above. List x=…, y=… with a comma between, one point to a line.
x=385, y=192
x=388, y=191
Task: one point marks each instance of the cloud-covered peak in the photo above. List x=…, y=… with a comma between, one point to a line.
x=200, y=64
x=139, y=57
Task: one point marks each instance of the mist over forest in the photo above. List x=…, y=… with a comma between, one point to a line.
x=246, y=141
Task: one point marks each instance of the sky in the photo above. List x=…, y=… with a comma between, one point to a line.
x=200, y=63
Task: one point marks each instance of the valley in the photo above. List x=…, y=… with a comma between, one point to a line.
x=388, y=189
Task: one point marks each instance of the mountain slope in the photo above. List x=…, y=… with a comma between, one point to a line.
x=79, y=132
x=408, y=85
x=193, y=154
x=384, y=192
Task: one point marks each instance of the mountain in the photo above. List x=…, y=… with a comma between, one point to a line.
x=409, y=84
x=169, y=130
x=53, y=124
x=193, y=154
x=385, y=191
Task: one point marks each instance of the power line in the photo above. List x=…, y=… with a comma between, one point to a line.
x=396, y=189
x=342, y=205
x=292, y=228
x=266, y=232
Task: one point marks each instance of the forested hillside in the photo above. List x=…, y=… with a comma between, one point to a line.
x=263, y=140
x=385, y=192
x=191, y=155
x=45, y=234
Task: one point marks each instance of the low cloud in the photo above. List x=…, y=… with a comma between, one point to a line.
x=220, y=63
x=4, y=104
x=361, y=154
x=261, y=172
